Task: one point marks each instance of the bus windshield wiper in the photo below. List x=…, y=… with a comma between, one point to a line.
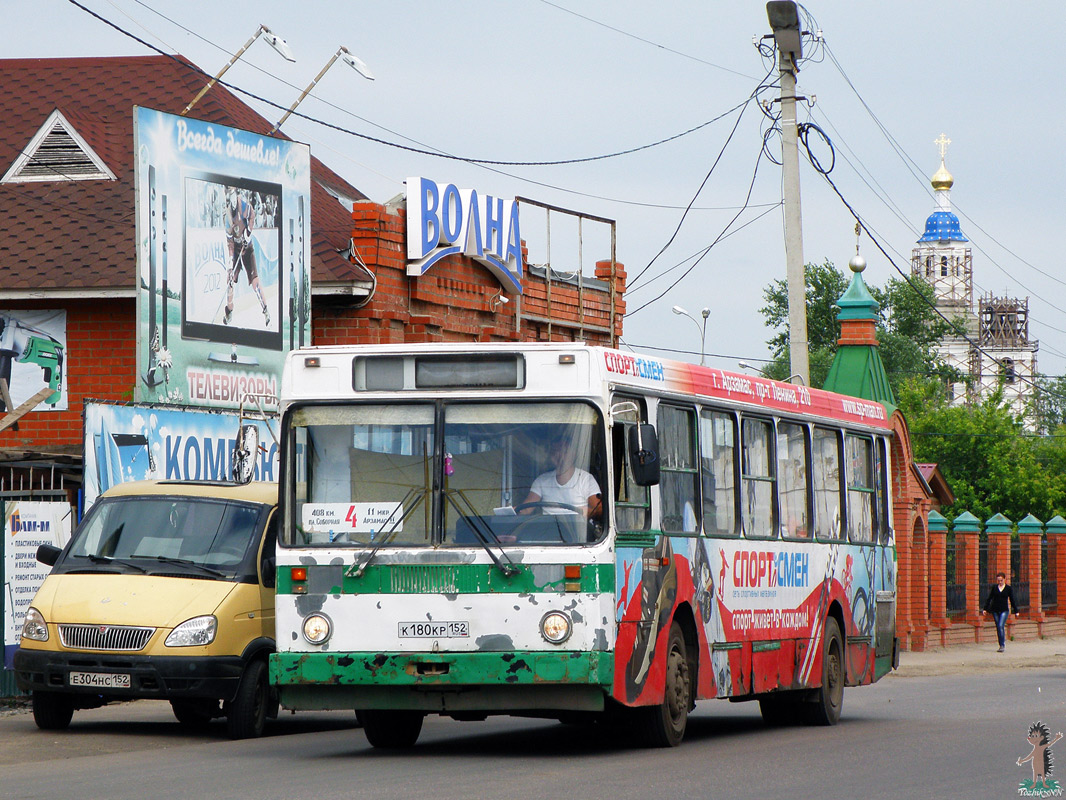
x=184, y=562
x=415, y=492
x=480, y=528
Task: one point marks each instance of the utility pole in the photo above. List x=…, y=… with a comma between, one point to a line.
x=784, y=21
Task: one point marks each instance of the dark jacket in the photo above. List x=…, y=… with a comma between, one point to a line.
x=997, y=601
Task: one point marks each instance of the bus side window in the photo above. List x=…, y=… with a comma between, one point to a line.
x=758, y=478
x=862, y=512
x=678, y=488
x=883, y=499
x=826, y=479
x=718, y=456
x=792, y=479
x=632, y=506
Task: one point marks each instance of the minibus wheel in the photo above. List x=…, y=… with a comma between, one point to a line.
x=247, y=712
x=52, y=711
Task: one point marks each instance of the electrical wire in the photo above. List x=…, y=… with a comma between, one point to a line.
x=397, y=145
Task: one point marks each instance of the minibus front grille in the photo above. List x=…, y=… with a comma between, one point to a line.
x=104, y=637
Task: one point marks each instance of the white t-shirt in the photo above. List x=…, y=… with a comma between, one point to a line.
x=575, y=492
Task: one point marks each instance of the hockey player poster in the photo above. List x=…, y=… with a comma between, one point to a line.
x=223, y=224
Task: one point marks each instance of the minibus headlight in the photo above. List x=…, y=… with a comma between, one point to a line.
x=34, y=627
x=555, y=627
x=193, y=632
x=317, y=628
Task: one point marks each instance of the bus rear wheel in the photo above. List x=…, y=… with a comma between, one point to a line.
x=664, y=725
x=391, y=730
x=829, y=697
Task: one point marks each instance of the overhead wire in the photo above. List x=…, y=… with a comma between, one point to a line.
x=418, y=150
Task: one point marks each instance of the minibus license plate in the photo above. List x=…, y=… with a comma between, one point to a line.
x=433, y=630
x=100, y=680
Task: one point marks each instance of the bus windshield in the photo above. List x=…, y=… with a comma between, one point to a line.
x=446, y=473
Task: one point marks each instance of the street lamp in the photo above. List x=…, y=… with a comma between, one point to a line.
x=703, y=329
x=275, y=41
x=344, y=55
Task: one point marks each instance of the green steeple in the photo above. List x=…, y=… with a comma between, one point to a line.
x=857, y=368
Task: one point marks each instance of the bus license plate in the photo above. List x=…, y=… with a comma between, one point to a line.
x=433, y=630
x=100, y=680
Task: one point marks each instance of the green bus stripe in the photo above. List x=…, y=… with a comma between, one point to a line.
x=443, y=669
x=444, y=579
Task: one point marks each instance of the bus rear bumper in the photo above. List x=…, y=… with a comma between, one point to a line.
x=437, y=682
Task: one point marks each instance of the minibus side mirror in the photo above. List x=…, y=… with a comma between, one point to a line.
x=48, y=554
x=268, y=569
x=644, y=455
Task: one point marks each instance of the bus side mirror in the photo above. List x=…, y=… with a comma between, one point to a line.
x=644, y=455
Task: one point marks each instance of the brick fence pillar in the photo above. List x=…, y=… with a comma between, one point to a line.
x=1031, y=533
x=967, y=536
x=1056, y=540
x=938, y=538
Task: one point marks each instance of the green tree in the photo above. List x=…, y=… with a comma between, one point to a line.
x=991, y=463
x=1049, y=406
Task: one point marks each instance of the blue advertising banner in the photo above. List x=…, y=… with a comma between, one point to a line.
x=223, y=255
x=136, y=442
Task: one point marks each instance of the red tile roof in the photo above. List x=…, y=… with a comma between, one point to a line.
x=80, y=234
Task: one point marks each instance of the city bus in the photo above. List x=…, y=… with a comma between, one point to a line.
x=574, y=532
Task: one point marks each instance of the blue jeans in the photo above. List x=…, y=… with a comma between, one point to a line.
x=1001, y=626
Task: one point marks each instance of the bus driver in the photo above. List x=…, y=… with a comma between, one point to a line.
x=567, y=488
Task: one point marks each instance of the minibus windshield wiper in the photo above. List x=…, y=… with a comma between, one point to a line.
x=184, y=562
x=109, y=560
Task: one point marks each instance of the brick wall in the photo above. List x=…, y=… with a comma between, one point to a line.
x=459, y=300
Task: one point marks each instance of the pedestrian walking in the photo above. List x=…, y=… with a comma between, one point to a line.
x=1000, y=601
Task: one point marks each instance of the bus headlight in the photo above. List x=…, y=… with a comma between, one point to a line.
x=317, y=628
x=34, y=627
x=555, y=627
x=195, y=632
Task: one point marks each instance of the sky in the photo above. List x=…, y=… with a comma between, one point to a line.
x=697, y=208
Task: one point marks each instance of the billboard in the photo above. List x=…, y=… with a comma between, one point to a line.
x=135, y=442
x=26, y=526
x=33, y=346
x=223, y=259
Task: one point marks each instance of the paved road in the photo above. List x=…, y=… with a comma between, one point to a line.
x=946, y=725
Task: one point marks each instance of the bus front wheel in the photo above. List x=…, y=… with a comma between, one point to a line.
x=392, y=730
x=664, y=725
x=829, y=697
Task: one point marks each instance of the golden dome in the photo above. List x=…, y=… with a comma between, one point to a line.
x=942, y=178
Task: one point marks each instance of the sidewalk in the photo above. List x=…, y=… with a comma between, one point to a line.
x=1031, y=653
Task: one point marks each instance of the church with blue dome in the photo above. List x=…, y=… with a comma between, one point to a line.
x=991, y=346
